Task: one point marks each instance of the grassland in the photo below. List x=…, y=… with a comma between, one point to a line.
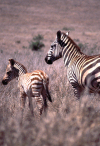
x=68, y=122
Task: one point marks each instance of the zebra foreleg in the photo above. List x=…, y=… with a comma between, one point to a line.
x=22, y=103
x=77, y=93
x=77, y=89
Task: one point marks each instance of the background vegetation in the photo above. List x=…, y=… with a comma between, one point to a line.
x=36, y=43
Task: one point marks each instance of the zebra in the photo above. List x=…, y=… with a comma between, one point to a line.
x=31, y=85
x=83, y=71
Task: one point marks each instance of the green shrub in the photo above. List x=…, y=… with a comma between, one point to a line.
x=36, y=43
x=38, y=37
x=68, y=28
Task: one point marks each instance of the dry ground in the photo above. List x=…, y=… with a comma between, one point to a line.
x=68, y=122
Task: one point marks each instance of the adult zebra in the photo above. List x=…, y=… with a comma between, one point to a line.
x=82, y=70
x=31, y=85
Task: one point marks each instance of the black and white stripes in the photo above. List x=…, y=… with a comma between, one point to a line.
x=82, y=70
x=31, y=85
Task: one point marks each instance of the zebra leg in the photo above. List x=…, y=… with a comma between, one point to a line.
x=30, y=105
x=22, y=103
x=39, y=103
x=44, y=95
x=77, y=89
x=77, y=93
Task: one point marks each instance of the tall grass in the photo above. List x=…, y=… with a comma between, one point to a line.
x=68, y=121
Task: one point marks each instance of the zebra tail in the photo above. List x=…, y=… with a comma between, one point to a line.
x=47, y=92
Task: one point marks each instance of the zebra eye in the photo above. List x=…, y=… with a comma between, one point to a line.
x=53, y=45
x=9, y=72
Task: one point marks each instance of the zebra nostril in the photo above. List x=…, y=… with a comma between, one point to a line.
x=49, y=62
x=4, y=82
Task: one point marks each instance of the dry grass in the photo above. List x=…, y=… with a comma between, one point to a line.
x=68, y=121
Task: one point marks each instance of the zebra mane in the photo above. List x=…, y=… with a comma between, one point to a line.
x=20, y=67
x=72, y=41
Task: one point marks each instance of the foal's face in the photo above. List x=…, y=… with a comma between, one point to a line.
x=11, y=72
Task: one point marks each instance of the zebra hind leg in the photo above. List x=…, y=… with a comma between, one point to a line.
x=31, y=105
x=39, y=103
x=22, y=104
x=44, y=95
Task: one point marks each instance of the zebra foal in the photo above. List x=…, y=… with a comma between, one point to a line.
x=31, y=85
x=83, y=71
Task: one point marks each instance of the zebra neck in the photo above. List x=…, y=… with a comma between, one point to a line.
x=70, y=50
x=20, y=69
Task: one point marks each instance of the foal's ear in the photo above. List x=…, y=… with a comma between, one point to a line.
x=67, y=33
x=12, y=61
x=58, y=35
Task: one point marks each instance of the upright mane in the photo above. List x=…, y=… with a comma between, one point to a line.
x=78, y=48
x=19, y=66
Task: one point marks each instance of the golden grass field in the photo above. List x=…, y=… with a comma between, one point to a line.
x=68, y=122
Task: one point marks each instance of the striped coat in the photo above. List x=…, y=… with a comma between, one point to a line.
x=83, y=71
x=31, y=85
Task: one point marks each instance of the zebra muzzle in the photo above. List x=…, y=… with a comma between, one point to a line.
x=48, y=61
x=4, y=82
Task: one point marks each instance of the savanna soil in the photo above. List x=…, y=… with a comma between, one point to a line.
x=22, y=20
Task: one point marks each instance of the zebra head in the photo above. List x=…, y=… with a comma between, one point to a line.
x=55, y=51
x=11, y=72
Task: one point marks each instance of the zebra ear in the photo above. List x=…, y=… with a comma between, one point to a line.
x=12, y=61
x=58, y=35
x=67, y=33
